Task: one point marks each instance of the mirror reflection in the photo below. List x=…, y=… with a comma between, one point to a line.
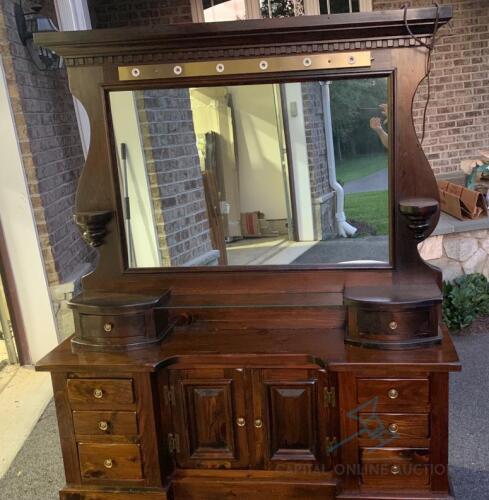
x=273, y=174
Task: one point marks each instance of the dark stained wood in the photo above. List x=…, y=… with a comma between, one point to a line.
x=439, y=423
x=395, y=468
x=102, y=462
x=120, y=321
x=250, y=385
x=393, y=393
x=65, y=427
x=210, y=418
x=287, y=408
x=84, y=493
x=117, y=423
x=100, y=392
x=201, y=345
x=276, y=485
x=408, y=426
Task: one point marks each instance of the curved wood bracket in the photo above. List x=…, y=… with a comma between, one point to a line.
x=418, y=212
x=93, y=226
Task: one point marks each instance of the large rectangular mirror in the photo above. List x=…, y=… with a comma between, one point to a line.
x=273, y=174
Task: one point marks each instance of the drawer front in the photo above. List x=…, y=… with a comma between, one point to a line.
x=395, y=425
x=384, y=325
x=106, y=326
x=110, y=462
x=105, y=423
x=100, y=392
x=393, y=393
x=395, y=467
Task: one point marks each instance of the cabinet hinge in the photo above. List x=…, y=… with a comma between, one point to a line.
x=169, y=395
x=331, y=443
x=173, y=443
x=330, y=397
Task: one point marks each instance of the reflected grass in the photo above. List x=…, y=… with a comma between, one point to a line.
x=358, y=167
x=369, y=211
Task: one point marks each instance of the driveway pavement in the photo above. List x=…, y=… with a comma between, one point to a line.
x=37, y=472
x=378, y=181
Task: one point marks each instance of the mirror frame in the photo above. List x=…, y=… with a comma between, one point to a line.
x=93, y=59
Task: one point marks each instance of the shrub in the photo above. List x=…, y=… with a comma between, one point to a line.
x=465, y=299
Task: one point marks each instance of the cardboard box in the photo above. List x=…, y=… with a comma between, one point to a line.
x=460, y=202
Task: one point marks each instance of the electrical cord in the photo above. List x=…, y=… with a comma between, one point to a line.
x=430, y=47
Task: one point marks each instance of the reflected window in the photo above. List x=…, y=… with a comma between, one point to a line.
x=282, y=8
x=224, y=10
x=339, y=6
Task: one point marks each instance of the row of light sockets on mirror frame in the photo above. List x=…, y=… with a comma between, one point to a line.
x=360, y=59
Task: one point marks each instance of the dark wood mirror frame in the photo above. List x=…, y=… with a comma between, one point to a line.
x=167, y=366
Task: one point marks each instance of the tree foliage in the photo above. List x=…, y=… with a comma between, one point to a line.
x=353, y=103
x=279, y=8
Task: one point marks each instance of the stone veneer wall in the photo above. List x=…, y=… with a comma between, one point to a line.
x=323, y=197
x=458, y=113
x=458, y=254
x=175, y=178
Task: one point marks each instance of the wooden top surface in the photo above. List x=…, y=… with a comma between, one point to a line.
x=397, y=295
x=260, y=347
x=302, y=28
x=97, y=301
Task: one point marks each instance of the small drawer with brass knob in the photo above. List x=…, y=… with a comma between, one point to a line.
x=105, y=423
x=394, y=393
x=391, y=317
x=118, y=321
x=100, y=392
x=408, y=468
x=101, y=462
x=390, y=428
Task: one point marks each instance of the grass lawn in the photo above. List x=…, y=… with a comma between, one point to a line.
x=369, y=208
x=357, y=167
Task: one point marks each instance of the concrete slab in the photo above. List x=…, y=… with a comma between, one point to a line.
x=23, y=399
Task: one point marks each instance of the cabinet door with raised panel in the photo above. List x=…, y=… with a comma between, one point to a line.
x=291, y=419
x=209, y=418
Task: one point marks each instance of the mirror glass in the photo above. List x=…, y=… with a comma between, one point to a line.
x=244, y=175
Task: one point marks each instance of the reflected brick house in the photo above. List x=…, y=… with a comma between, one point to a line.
x=52, y=156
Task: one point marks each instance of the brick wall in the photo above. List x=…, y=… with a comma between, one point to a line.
x=321, y=193
x=117, y=13
x=458, y=114
x=175, y=179
x=50, y=146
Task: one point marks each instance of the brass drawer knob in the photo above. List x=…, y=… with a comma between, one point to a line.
x=395, y=470
x=393, y=325
x=98, y=393
x=103, y=425
x=393, y=393
x=108, y=463
x=393, y=428
x=241, y=422
x=258, y=423
x=108, y=327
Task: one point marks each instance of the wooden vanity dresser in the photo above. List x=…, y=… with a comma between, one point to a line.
x=255, y=382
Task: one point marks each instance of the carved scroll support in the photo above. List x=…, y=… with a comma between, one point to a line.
x=418, y=212
x=93, y=226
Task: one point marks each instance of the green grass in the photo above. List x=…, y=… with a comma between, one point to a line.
x=357, y=167
x=370, y=209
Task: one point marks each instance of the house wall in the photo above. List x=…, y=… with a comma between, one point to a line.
x=119, y=13
x=458, y=113
x=51, y=149
x=261, y=180
x=322, y=195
